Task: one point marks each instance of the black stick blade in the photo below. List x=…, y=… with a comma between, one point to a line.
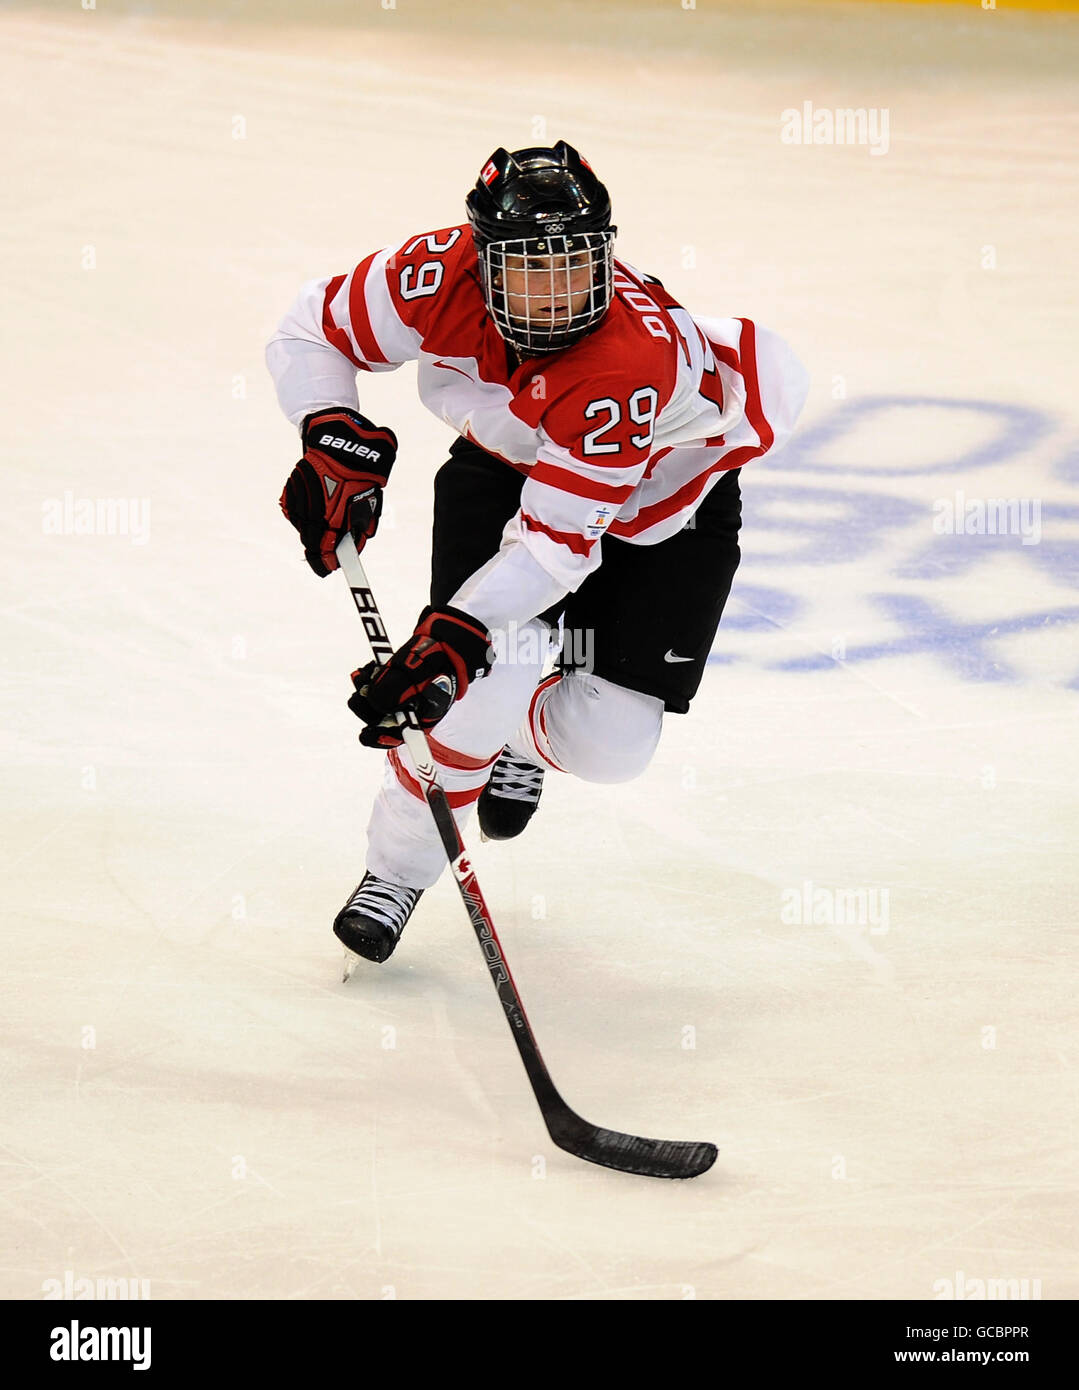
x=629, y=1153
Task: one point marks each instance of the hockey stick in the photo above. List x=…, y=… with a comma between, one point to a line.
x=651, y=1158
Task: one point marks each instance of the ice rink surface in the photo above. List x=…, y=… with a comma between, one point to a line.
x=189, y=1096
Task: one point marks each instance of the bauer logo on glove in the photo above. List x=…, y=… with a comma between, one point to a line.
x=341, y=445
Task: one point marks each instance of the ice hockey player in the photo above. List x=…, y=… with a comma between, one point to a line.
x=595, y=479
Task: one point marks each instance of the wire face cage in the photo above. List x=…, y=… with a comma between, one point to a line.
x=546, y=292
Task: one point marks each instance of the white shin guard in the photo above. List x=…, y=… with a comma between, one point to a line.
x=598, y=731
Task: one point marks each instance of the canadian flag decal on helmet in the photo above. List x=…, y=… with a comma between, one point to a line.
x=489, y=172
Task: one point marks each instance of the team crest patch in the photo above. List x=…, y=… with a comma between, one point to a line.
x=598, y=520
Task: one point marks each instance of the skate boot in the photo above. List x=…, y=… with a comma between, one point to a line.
x=371, y=922
x=510, y=797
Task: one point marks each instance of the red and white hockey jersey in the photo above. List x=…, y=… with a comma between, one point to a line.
x=625, y=432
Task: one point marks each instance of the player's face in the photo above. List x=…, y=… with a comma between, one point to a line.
x=545, y=291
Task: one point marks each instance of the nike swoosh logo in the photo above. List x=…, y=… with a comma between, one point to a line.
x=671, y=657
x=449, y=367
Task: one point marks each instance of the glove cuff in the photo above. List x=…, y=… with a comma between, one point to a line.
x=464, y=636
x=335, y=412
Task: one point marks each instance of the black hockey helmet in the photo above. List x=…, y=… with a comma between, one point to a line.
x=542, y=215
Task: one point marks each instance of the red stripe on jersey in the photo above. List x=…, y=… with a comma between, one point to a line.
x=566, y=481
x=688, y=494
x=725, y=354
x=337, y=337
x=359, y=318
x=414, y=789
x=754, y=409
x=684, y=497
x=573, y=542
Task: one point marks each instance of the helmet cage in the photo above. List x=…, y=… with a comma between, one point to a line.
x=548, y=285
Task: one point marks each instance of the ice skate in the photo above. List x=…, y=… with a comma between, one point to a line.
x=371, y=922
x=509, y=799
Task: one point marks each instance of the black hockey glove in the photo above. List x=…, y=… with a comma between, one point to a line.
x=446, y=652
x=338, y=483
